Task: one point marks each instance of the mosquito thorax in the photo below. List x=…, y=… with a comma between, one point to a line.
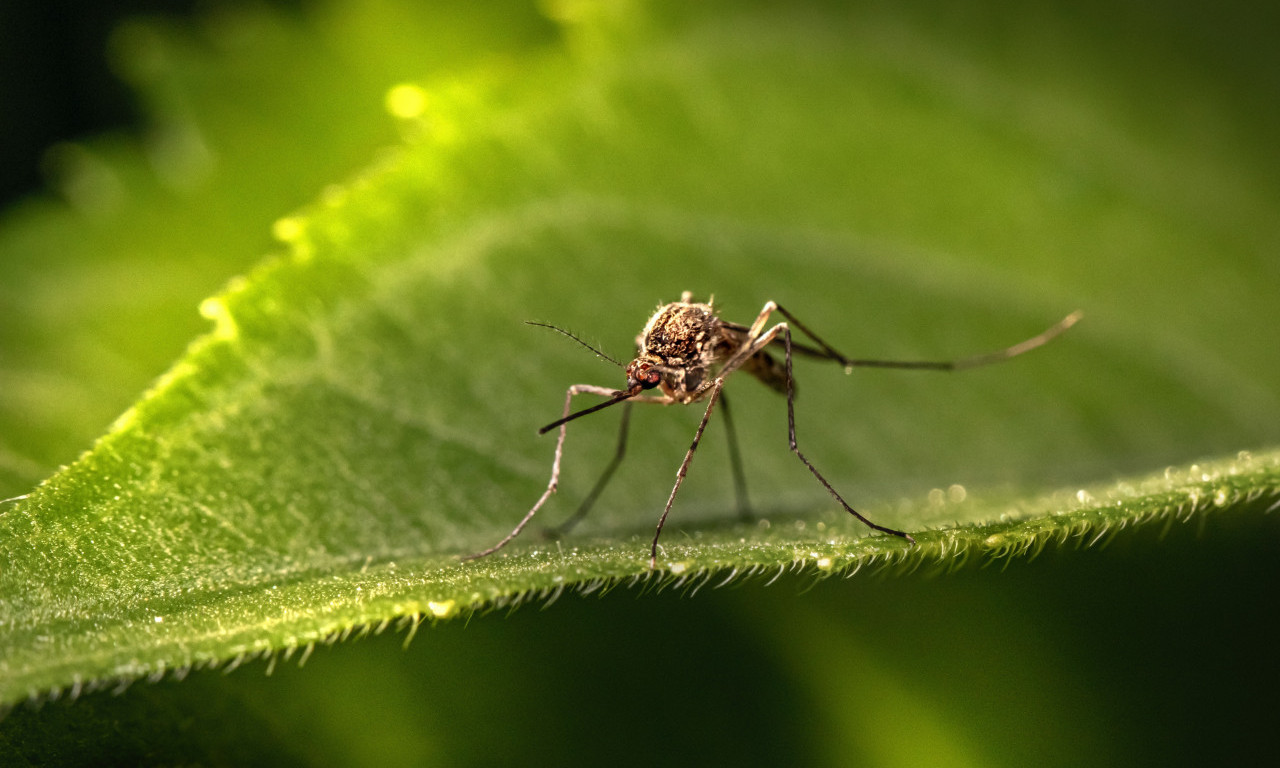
x=682, y=339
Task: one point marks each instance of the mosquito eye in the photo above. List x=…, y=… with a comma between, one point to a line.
x=643, y=375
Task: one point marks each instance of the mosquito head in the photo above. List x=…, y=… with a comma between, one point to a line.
x=643, y=373
x=634, y=386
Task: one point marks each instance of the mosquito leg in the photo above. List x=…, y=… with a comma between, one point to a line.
x=735, y=461
x=576, y=389
x=590, y=500
x=684, y=468
x=791, y=435
x=1022, y=347
x=827, y=349
x=761, y=320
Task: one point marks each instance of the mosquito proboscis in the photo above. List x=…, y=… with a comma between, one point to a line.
x=686, y=352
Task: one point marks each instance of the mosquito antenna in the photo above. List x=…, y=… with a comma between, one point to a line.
x=617, y=398
x=558, y=329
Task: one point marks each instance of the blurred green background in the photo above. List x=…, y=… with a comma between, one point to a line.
x=1153, y=650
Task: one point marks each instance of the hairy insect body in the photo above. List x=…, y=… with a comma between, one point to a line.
x=682, y=341
x=686, y=351
x=686, y=342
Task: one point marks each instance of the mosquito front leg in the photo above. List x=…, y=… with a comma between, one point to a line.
x=716, y=386
x=576, y=389
x=590, y=500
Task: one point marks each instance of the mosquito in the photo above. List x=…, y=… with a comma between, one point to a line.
x=686, y=352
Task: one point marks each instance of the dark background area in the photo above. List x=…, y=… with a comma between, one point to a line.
x=56, y=82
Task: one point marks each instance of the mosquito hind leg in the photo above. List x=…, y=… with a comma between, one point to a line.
x=826, y=351
x=791, y=436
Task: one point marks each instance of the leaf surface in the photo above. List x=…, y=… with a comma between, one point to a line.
x=364, y=409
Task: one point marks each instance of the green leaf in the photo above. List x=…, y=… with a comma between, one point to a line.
x=364, y=410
